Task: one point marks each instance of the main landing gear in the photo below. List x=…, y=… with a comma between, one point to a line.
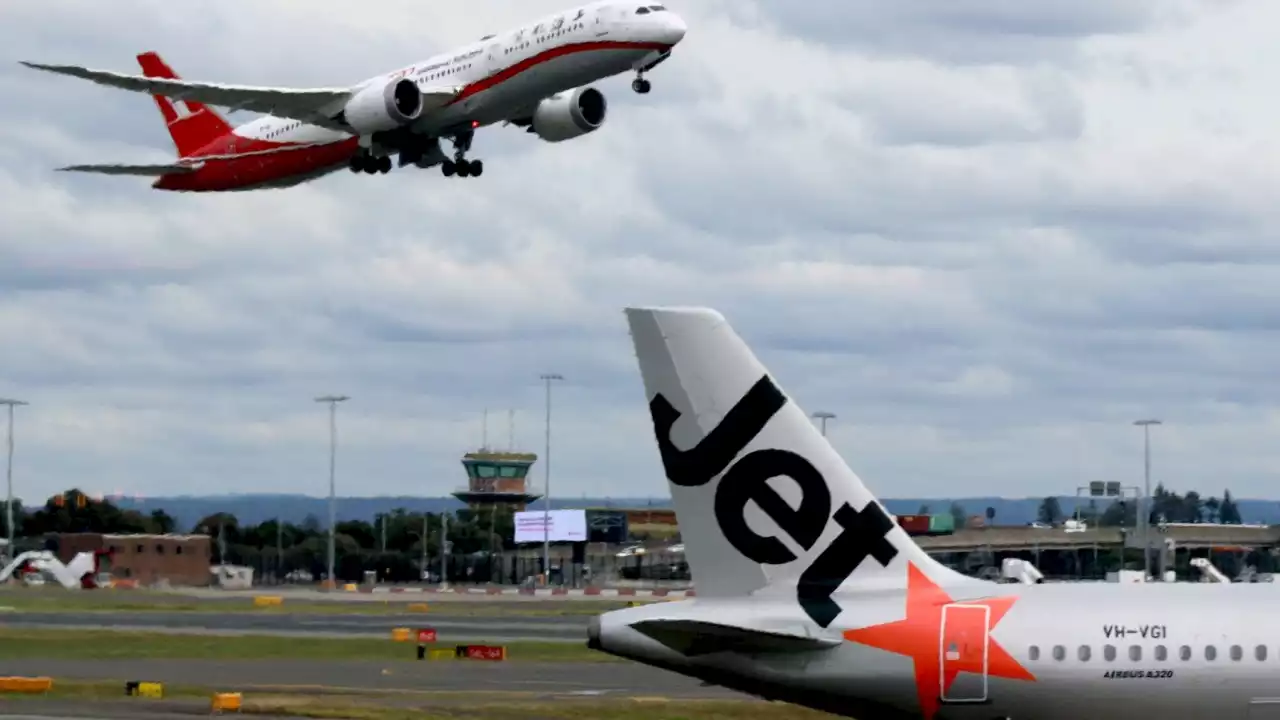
x=462, y=168
x=368, y=164
x=460, y=165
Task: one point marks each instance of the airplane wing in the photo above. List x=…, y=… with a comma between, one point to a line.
x=696, y=637
x=317, y=106
x=143, y=170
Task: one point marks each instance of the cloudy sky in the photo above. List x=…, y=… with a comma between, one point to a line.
x=987, y=234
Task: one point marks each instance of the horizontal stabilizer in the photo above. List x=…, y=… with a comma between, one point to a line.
x=142, y=170
x=695, y=637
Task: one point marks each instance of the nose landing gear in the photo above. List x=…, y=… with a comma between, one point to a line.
x=640, y=85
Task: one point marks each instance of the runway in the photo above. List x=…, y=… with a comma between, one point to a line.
x=550, y=628
x=497, y=681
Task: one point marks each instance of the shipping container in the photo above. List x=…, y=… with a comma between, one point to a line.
x=942, y=524
x=914, y=524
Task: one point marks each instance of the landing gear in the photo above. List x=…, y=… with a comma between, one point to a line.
x=368, y=164
x=462, y=168
x=640, y=85
x=460, y=165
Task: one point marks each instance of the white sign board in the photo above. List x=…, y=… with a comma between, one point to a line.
x=560, y=526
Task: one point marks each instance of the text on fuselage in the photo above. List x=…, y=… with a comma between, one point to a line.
x=863, y=533
x=1148, y=632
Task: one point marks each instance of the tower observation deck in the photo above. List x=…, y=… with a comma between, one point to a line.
x=497, y=478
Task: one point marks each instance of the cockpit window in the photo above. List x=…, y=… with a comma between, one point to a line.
x=642, y=11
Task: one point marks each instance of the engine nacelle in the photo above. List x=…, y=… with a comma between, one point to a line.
x=379, y=108
x=568, y=115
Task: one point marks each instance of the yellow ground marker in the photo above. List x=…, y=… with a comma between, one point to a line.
x=226, y=702
x=26, y=684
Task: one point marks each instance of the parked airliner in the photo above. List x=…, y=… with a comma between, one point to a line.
x=536, y=76
x=808, y=591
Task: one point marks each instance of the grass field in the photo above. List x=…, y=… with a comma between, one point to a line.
x=59, y=600
x=428, y=705
x=71, y=644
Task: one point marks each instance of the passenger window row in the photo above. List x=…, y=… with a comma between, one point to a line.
x=277, y=131
x=543, y=37
x=1161, y=654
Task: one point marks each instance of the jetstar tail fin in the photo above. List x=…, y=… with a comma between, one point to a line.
x=763, y=500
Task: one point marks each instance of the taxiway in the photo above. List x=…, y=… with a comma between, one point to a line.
x=451, y=628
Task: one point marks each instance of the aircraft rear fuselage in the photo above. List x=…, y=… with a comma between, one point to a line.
x=1049, y=651
x=810, y=592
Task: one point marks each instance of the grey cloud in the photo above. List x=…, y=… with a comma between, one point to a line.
x=948, y=255
x=969, y=31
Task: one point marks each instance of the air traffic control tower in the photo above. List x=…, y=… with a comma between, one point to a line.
x=497, y=478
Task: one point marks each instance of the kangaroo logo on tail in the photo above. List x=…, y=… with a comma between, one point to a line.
x=863, y=533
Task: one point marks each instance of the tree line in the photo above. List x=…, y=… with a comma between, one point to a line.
x=393, y=544
x=1166, y=507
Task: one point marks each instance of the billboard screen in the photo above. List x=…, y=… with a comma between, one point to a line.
x=565, y=526
x=607, y=526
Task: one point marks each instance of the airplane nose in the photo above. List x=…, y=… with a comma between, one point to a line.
x=674, y=28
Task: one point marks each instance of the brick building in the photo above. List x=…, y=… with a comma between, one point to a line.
x=145, y=559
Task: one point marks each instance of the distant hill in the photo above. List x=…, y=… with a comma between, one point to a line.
x=295, y=508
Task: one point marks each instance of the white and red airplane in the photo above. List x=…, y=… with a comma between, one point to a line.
x=809, y=592
x=536, y=76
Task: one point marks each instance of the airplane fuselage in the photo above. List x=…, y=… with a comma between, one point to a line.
x=504, y=76
x=1049, y=652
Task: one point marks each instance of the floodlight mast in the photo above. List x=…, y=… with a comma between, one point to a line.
x=546, y=482
x=333, y=401
x=1144, y=507
x=822, y=417
x=8, y=499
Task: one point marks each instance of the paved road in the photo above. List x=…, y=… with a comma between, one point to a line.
x=498, y=681
x=450, y=628
x=311, y=594
x=104, y=710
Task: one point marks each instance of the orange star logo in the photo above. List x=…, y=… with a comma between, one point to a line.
x=919, y=636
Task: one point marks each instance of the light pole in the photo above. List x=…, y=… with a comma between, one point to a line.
x=8, y=499
x=1144, y=507
x=546, y=483
x=333, y=401
x=822, y=417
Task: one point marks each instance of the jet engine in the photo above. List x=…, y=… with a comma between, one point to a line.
x=568, y=115
x=378, y=108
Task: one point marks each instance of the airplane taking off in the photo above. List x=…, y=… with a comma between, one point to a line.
x=536, y=76
x=809, y=592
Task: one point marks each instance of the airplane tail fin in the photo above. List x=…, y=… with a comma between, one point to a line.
x=762, y=499
x=192, y=125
